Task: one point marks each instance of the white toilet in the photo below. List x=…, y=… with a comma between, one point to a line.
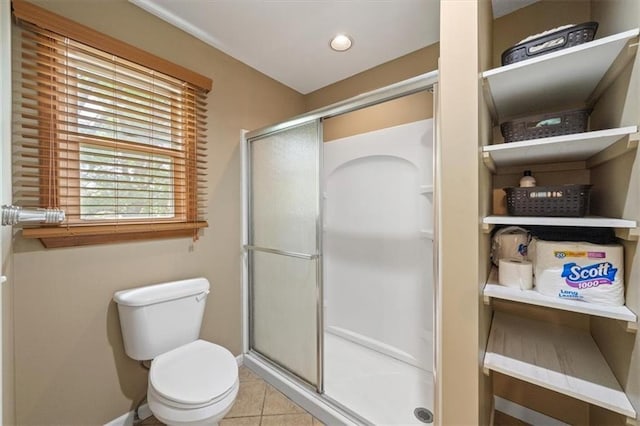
x=191, y=381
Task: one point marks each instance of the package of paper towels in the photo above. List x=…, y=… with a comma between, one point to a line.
x=579, y=271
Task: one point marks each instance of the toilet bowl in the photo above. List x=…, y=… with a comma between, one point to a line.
x=191, y=381
x=194, y=384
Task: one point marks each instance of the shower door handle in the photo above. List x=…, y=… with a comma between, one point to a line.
x=282, y=252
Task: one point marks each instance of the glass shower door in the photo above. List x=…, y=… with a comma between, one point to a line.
x=284, y=247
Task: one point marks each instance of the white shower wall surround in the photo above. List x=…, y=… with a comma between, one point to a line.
x=378, y=254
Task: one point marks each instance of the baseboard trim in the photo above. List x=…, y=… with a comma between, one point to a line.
x=240, y=360
x=525, y=414
x=127, y=418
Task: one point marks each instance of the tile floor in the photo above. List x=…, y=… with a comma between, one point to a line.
x=260, y=404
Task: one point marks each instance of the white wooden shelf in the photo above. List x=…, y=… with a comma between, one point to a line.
x=532, y=297
x=568, y=76
x=589, y=221
x=574, y=147
x=554, y=357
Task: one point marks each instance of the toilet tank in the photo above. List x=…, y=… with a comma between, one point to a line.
x=157, y=318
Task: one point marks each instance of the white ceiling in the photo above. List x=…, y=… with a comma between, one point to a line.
x=288, y=40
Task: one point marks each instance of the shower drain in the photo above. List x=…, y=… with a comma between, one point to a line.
x=424, y=415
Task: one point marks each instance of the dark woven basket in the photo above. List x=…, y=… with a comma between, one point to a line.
x=555, y=200
x=552, y=42
x=546, y=125
x=598, y=235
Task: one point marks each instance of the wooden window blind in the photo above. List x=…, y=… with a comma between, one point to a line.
x=119, y=146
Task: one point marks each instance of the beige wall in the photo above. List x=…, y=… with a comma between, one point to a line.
x=404, y=110
x=458, y=382
x=411, y=65
x=554, y=404
x=418, y=106
x=69, y=360
x=485, y=131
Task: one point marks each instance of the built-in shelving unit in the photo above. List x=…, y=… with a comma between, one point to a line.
x=494, y=290
x=563, y=359
x=559, y=358
x=575, y=147
x=570, y=76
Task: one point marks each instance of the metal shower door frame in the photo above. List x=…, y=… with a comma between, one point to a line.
x=249, y=248
x=401, y=89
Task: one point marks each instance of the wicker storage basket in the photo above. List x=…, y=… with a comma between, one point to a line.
x=546, y=125
x=574, y=233
x=555, y=200
x=551, y=42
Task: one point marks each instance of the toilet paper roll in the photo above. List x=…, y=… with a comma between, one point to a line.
x=516, y=273
x=512, y=246
x=509, y=243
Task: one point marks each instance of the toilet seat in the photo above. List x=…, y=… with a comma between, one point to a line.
x=194, y=375
x=207, y=415
x=170, y=403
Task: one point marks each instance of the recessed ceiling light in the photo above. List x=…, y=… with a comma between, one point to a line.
x=341, y=42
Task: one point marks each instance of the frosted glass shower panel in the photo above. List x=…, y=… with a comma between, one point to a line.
x=284, y=312
x=284, y=182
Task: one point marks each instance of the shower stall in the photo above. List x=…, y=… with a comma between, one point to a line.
x=339, y=262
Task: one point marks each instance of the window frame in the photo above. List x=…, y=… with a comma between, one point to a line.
x=184, y=159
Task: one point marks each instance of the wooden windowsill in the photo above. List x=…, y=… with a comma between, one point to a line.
x=72, y=236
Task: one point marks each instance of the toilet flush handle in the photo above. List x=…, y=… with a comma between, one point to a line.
x=202, y=295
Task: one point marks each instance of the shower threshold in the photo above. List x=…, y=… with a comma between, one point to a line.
x=318, y=405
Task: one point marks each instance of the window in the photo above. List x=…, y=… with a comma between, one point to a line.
x=116, y=144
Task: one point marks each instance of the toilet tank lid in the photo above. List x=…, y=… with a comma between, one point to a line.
x=157, y=293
